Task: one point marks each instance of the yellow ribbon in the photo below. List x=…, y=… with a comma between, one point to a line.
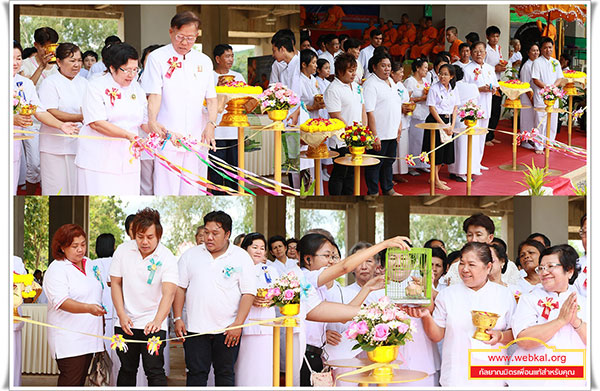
x=367, y=368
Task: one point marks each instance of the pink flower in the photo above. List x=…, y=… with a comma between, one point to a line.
x=382, y=331
x=273, y=292
x=402, y=327
x=288, y=294
x=352, y=331
x=363, y=328
x=388, y=314
x=294, y=284
x=384, y=300
x=292, y=274
x=278, y=85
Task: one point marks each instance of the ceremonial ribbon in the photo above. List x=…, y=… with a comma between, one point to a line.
x=21, y=91
x=98, y=275
x=113, y=94
x=118, y=342
x=153, y=345
x=268, y=278
x=173, y=64
x=547, y=305
x=228, y=271
x=585, y=282
x=152, y=269
x=305, y=287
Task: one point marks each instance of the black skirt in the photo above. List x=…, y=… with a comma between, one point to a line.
x=444, y=155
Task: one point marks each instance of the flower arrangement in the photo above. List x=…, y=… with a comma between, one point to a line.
x=285, y=290
x=322, y=125
x=551, y=92
x=358, y=136
x=514, y=83
x=573, y=74
x=16, y=103
x=380, y=324
x=236, y=87
x=470, y=112
x=278, y=97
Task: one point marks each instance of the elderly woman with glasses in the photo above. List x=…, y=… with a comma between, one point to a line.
x=552, y=313
x=114, y=109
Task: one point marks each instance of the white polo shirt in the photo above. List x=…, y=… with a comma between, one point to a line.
x=63, y=281
x=183, y=92
x=405, y=98
x=347, y=99
x=103, y=265
x=547, y=71
x=363, y=59
x=461, y=64
x=493, y=57
x=276, y=69
x=443, y=99
x=330, y=58
x=226, y=132
x=284, y=268
x=385, y=103
x=482, y=75
x=97, y=68
x=142, y=292
x=215, y=286
x=60, y=93
x=30, y=65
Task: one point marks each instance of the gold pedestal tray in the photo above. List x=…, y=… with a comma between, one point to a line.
x=514, y=167
x=513, y=104
x=347, y=161
x=432, y=127
x=549, y=110
x=349, y=363
x=289, y=352
x=398, y=376
x=474, y=131
x=330, y=155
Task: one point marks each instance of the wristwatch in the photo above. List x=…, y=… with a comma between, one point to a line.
x=176, y=319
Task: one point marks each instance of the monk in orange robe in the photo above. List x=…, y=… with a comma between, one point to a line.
x=366, y=35
x=440, y=43
x=427, y=41
x=390, y=35
x=547, y=30
x=452, y=38
x=407, y=33
x=334, y=18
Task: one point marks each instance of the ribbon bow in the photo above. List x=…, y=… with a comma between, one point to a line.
x=267, y=275
x=554, y=64
x=424, y=157
x=152, y=269
x=305, y=286
x=21, y=90
x=113, y=94
x=98, y=275
x=118, y=342
x=547, y=305
x=173, y=64
x=409, y=160
x=153, y=345
x=477, y=72
x=228, y=271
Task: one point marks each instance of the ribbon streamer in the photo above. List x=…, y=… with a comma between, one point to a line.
x=118, y=342
x=153, y=345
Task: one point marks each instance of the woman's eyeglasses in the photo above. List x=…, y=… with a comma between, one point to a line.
x=548, y=267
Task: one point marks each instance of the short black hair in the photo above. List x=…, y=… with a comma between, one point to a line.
x=500, y=242
x=546, y=40
x=501, y=254
x=128, y=222
x=251, y=237
x=437, y=252
x=291, y=240
x=342, y=37
x=451, y=257
x=66, y=49
x=430, y=241
x=183, y=18
x=218, y=216
x=344, y=61
x=459, y=72
x=276, y=238
x=28, y=52
x=287, y=33
x=351, y=43
x=147, y=50
x=567, y=58
x=492, y=30
x=583, y=220
x=477, y=43
x=321, y=62
x=567, y=256
x=472, y=37
x=462, y=46
x=396, y=66
x=479, y=220
x=111, y=40
x=306, y=56
x=452, y=71
x=545, y=239
x=377, y=58
x=89, y=53
x=440, y=58
x=375, y=32
x=17, y=45
x=45, y=35
x=118, y=54
x=308, y=245
x=532, y=243
x=481, y=249
x=220, y=49
x=417, y=63
x=283, y=42
x=329, y=38
x=105, y=245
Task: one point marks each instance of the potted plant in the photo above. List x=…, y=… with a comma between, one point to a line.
x=358, y=138
x=285, y=293
x=277, y=100
x=550, y=94
x=470, y=113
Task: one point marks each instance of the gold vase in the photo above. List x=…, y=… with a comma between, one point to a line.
x=319, y=152
x=513, y=103
x=262, y=293
x=570, y=89
x=411, y=106
x=483, y=321
x=383, y=355
x=357, y=154
x=469, y=123
x=51, y=48
x=290, y=310
x=277, y=115
x=236, y=113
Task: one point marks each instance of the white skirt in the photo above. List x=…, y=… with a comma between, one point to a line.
x=17, y=151
x=541, y=123
x=59, y=174
x=400, y=166
x=254, y=365
x=415, y=141
x=91, y=182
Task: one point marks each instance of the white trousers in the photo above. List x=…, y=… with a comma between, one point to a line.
x=32, y=158
x=400, y=166
x=17, y=327
x=415, y=141
x=147, y=177
x=17, y=146
x=459, y=167
x=541, y=120
x=169, y=183
x=527, y=119
x=91, y=182
x=59, y=174
x=254, y=365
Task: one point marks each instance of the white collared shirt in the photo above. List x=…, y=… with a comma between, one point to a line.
x=183, y=92
x=385, y=103
x=60, y=93
x=96, y=69
x=363, y=59
x=461, y=64
x=129, y=110
x=323, y=84
x=547, y=71
x=285, y=268
x=416, y=91
x=62, y=281
x=30, y=65
x=215, y=286
x=226, y=132
x=310, y=88
x=330, y=58
x=493, y=57
x=346, y=99
x=444, y=100
x=142, y=289
x=482, y=75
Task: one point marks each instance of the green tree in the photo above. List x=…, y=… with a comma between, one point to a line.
x=35, y=246
x=106, y=216
x=180, y=216
x=88, y=34
x=240, y=62
x=332, y=220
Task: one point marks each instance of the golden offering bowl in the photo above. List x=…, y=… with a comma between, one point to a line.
x=236, y=113
x=383, y=355
x=570, y=89
x=411, y=106
x=277, y=115
x=483, y=321
x=224, y=79
x=51, y=48
x=319, y=152
x=27, y=109
x=319, y=98
x=290, y=310
x=262, y=293
x=513, y=103
x=357, y=153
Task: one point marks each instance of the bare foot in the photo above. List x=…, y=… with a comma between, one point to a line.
x=489, y=144
x=443, y=182
x=539, y=152
x=496, y=141
x=441, y=186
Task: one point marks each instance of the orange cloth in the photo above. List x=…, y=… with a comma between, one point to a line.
x=405, y=40
x=454, y=48
x=390, y=37
x=334, y=18
x=383, y=28
x=440, y=45
x=424, y=48
x=367, y=35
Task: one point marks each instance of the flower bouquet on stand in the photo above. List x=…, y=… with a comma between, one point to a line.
x=379, y=329
x=315, y=133
x=285, y=293
x=277, y=100
x=550, y=94
x=358, y=138
x=470, y=113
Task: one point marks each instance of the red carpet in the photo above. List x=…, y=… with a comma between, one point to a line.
x=496, y=181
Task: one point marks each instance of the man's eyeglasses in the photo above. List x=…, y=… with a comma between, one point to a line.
x=182, y=38
x=133, y=71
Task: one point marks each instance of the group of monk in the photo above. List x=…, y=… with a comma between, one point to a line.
x=408, y=41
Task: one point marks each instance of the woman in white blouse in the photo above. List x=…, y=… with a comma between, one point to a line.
x=400, y=166
x=74, y=294
x=62, y=95
x=25, y=92
x=254, y=364
x=528, y=114
x=451, y=319
x=310, y=86
x=553, y=313
x=114, y=107
x=418, y=88
x=529, y=253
